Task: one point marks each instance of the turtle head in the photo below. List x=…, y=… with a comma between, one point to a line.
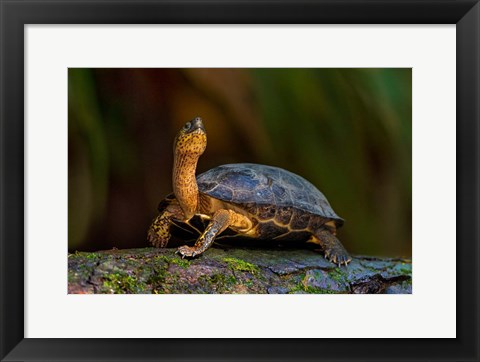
x=191, y=139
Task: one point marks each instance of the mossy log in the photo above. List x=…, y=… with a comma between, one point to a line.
x=233, y=270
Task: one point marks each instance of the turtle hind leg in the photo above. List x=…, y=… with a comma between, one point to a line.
x=332, y=247
x=159, y=232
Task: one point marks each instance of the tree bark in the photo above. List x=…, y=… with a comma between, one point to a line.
x=233, y=270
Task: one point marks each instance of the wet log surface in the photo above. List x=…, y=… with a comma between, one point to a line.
x=233, y=270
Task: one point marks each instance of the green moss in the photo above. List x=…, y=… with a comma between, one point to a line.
x=310, y=290
x=71, y=277
x=157, y=277
x=303, y=287
x=406, y=271
x=184, y=263
x=222, y=279
x=217, y=279
x=240, y=265
x=337, y=275
x=219, y=282
x=90, y=256
x=119, y=283
x=181, y=262
x=297, y=288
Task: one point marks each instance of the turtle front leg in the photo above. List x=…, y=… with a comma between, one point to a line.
x=159, y=232
x=332, y=247
x=220, y=221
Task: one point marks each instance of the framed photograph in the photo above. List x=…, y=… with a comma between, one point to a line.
x=256, y=227
x=206, y=180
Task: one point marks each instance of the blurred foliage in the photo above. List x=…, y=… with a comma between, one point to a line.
x=348, y=131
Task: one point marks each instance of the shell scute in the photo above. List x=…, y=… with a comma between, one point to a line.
x=239, y=179
x=278, y=191
x=300, y=220
x=266, y=212
x=207, y=186
x=265, y=185
x=223, y=192
x=284, y=214
x=265, y=194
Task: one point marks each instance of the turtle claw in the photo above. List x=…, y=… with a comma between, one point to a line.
x=346, y=259
x=337, y=259
x=187, y=252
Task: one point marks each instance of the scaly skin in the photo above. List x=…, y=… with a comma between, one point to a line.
x=332, y=247
x=189, y=145
x=220, y=221
x=159, y=232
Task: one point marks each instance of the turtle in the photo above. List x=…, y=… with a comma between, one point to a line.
x=254, y=201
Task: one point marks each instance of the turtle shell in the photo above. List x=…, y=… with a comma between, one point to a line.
x=244, y=183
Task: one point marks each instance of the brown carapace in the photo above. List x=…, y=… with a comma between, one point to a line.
x=252, y=201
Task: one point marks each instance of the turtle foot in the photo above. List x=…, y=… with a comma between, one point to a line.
x=338, y=257
x=156, y=240
x=333, y=248
x=186, y=251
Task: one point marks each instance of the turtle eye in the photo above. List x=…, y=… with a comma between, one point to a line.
x=187, y=126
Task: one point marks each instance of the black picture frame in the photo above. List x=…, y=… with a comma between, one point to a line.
x=15, y=14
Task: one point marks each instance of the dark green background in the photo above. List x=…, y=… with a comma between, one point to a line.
x=348, y=131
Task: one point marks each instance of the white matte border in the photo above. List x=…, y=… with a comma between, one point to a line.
x=51, y=312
